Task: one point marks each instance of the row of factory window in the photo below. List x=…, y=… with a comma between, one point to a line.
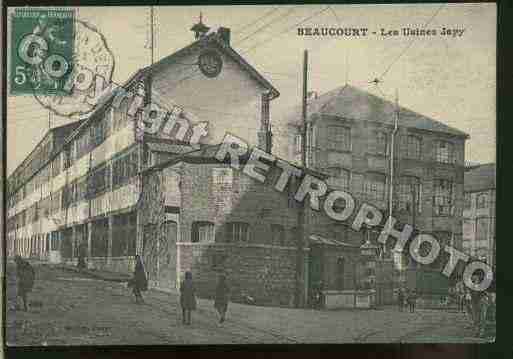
x=408, y=190
x=32, y=164
x=410, y=146
x=483, y=200
x=96, y=182
x=124, y=236
x=123, y=239
x=236, y=232
x=90, y=138
x=30, y=246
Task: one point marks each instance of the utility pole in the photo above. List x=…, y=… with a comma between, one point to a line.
x=392, y=162
x=151, y=35
x=413, y=264
x=300, y=275
x=304, y=137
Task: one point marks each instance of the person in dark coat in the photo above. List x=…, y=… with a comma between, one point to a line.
x=139, y=282
x=25, y=279
x=187, y=298
x=82, y=253
x=412, y=299
x=400, y=299
x=475, y=306
x=221, y=299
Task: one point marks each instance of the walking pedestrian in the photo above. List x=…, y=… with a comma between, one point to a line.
x=319, y=296
x=483, y=319
x=468, y=304
x=222, y=296
x=460, y=295
x=82, y=253
x=412, y=298
x=476, y=307
x=25, y=276
x=400, y=299
x=461, y=302
x=139, y=282
x=187, y=298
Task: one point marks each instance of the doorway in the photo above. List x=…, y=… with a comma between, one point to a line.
x=167, y=255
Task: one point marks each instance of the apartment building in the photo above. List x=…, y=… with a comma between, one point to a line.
x=349, y=139
x=479, y=213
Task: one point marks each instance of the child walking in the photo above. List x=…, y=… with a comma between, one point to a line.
x=187, y=298
x=139, y=282
x=221, y=299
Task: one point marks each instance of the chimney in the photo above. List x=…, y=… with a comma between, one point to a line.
x=199, y=29
x=224, y=34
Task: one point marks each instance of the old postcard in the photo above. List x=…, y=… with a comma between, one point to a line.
x=250, y=174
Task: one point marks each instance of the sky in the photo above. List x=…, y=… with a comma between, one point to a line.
x=450, y=79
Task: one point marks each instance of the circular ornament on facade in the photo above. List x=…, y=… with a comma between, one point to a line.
x=210, y=63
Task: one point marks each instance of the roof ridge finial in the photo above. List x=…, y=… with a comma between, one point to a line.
x=201, y=17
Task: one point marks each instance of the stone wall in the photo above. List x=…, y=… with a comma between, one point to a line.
x=265, y=273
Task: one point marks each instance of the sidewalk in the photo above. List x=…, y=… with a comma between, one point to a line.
x=97, y=274
x=82, y=308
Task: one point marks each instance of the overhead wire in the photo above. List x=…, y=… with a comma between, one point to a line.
x=269, y=39
x=268, y=13
x=263, y=27
x=407, y=47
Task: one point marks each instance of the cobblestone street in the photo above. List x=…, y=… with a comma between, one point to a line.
x=68, y=308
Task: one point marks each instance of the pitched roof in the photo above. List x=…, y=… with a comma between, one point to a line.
x=58, y=131
x=316, y=239
x=350, y=102
x=206, y=154
x=214, y=38
x=479, y=178
x=169, y=147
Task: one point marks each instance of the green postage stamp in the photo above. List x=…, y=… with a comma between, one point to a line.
x=42, y=45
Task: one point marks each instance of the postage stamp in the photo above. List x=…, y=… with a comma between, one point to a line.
x=41, y=50
x=91, y=72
